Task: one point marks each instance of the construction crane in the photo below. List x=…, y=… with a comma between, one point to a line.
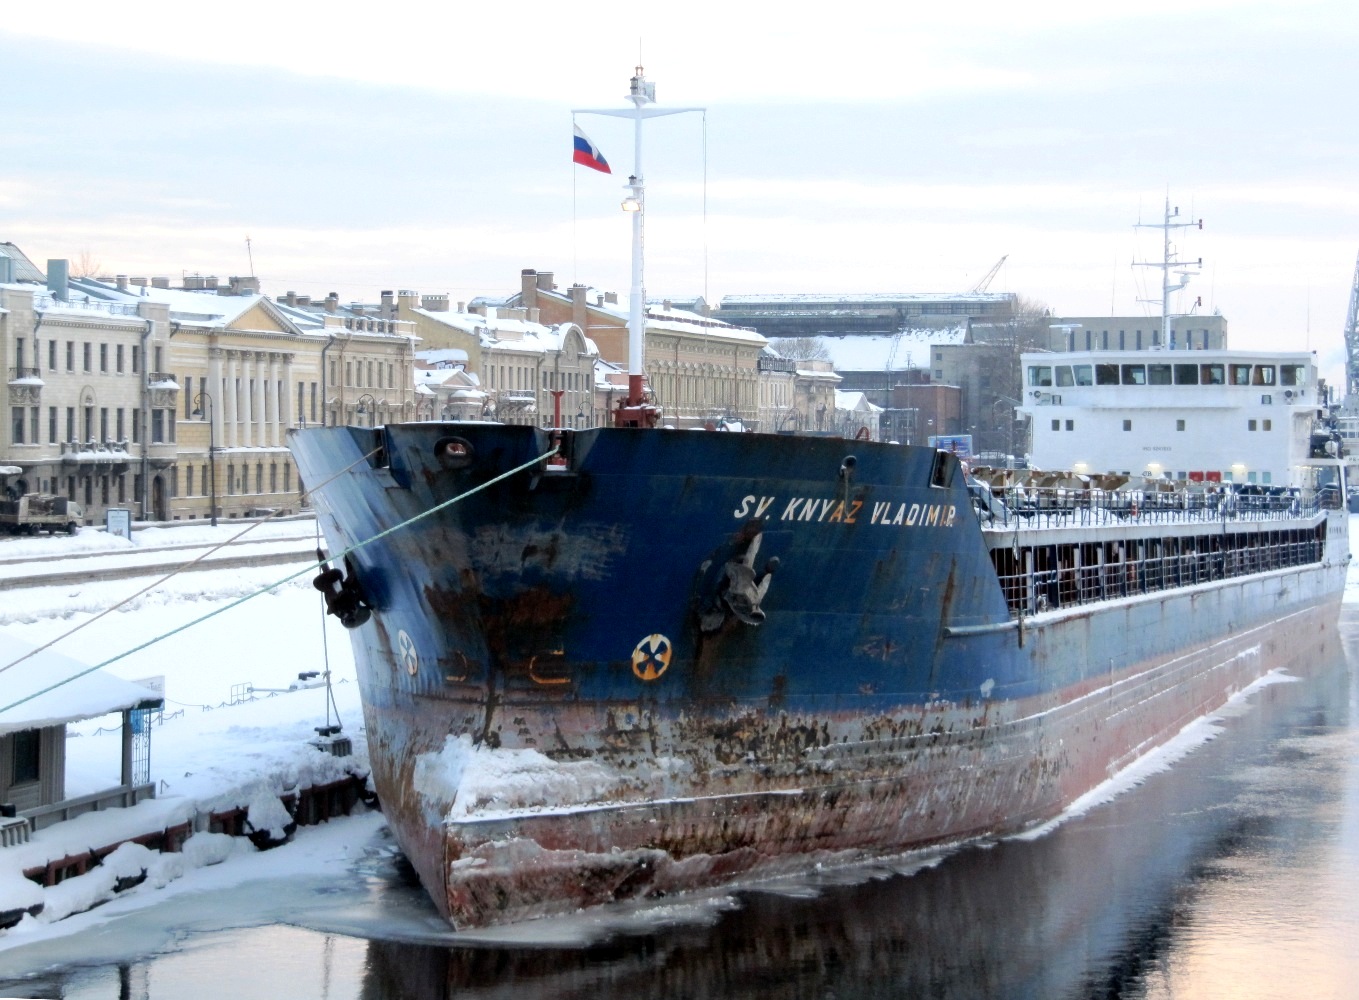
x=986, y=279
x=1352, y=345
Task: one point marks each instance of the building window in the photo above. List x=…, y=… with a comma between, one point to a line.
x=70, y=425
x=1056, y=425
x=51, y=425
x=287, y=478
x=188, y=480
x=103, y=357
x=70, y=355
x=1179, y=425
x=88, y=350
x=231, y=478
x=1267, y=425
x=1071, y=425
x=18, y=436
x=103, y=423
x=118, y=416
x=259, y=477
x=158, y=366
x=89, y=424
x=1250, y=425
x=52, y=355
x=136, y=359
x=118, y=358
x=273, y=477
x=1127, y=425
x=157, y=426
x=27, y=757
x=313, y=402
x=136, y=425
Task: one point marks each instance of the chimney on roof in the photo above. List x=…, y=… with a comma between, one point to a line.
x=666, y=305
x=407, y=299
x=436, y=303
x=462, y=307
x=533, y=315
x=545, y=281
x=121, y=281
x=611, y=298
x=304, y=300
x=58, y=278
x=193, y=283
x=238, y=285
x=332, y=302
x=210, y=282
x=138, y=281
x=160, y=282
x=579, y=307
x=6, y=269
x=528, y=287
x=388, y=303
x=290, y=297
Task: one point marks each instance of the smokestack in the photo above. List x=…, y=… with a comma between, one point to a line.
x=58, y=278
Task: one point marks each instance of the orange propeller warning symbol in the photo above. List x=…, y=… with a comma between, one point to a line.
x=651, y=657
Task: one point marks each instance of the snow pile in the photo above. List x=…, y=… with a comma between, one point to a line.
x=266, y=815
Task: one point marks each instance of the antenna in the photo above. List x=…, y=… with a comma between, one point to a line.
x=1168, y=263
x=250, y=255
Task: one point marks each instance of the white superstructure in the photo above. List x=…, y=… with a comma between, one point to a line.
x=1229, y=416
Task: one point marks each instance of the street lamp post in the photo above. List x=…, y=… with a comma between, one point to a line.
x=361, y=407
x=212, y=448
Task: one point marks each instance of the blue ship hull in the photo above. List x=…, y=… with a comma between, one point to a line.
x=658, y=660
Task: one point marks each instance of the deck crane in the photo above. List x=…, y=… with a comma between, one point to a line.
x=1352, y=345
x=986, y=279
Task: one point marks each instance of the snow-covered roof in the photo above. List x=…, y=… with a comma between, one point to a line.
x=854, y=401
x=792, y=300
x=909, y=349
x=85, y=697
x=504, y=333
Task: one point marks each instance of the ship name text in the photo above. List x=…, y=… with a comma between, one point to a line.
x=836, y=511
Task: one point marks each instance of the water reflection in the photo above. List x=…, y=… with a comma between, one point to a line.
x=1236, y=873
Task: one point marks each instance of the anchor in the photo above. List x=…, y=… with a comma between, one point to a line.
x=344, y=595
x=741, y=591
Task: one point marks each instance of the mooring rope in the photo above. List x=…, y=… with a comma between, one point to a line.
x=292, y=576
x=177, y=570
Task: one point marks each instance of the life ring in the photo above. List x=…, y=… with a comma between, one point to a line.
x=1134, y=508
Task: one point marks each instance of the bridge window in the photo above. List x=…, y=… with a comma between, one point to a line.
x=1292, y=375
x=1084, y=375
x=1187, y=374
x=1064, y=376
x=1240, y=374
x=1106, y=374
x=1040, y=375
x=1212, y=374
x=1134, y=375
x=1158, y=375
x=1264, y=375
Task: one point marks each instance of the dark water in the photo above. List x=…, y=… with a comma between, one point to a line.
x=1235, y=873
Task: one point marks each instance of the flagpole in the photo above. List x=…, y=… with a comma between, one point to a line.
x=636, y=412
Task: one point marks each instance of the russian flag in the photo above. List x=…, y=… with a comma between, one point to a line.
x=587, y=154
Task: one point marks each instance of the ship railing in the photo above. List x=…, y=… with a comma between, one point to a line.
x=1048, y=507
x=1052, y=577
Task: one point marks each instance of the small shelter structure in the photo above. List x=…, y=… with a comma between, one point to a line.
x=39, y=696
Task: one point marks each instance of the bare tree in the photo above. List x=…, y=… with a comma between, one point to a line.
x=86, y=265
x=802, y=348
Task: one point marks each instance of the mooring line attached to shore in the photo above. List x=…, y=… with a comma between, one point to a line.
x=178, y=569
x=307, y=569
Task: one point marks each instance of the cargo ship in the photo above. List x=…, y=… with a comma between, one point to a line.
x=624, y=662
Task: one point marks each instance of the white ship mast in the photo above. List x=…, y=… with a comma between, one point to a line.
x=1168, y=263
x=641, y=92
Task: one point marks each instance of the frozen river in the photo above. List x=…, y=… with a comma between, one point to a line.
x=1235, y=872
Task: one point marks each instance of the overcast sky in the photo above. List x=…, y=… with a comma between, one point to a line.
x=848, y=149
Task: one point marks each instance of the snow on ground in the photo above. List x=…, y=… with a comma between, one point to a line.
x=207, y=754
